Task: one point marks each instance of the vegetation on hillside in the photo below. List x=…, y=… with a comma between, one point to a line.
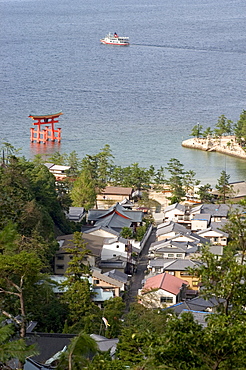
x=32, y=211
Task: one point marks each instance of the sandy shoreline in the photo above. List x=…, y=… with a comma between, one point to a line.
x=225, y=145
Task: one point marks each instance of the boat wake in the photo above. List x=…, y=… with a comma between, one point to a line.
x=192, y=48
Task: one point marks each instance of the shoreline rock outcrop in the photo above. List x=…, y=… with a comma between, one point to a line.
x=225, y=145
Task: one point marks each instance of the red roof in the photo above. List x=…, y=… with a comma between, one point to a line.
x=164, y=281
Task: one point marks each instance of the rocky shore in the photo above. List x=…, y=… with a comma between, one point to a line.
x=225, y=144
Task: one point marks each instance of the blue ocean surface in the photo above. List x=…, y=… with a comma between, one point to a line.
x=186, y=64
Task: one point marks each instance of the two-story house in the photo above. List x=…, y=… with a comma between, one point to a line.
x=176, y=267
x=162, y=290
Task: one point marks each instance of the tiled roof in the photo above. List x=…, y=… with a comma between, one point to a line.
x=91, y=230
x=166, y=282
x=115, y=217
x=202, y=217
x=215, y=210
x=94, y=243
x=196, y=304
x=117, y=275
x=182, y=264
x=117, y=190
x=171, y=226
x=177, y=264
x=116, y=283
x=178, y=206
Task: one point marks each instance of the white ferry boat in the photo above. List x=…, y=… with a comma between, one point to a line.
x=114, y=39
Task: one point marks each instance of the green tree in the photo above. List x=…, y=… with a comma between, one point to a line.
x=140, y=232
x=222, y=278
x=117, y=176
x=159, y=178
x=99, y=166
x=29, y=199
x=197, y=130
x=224, y=126
x=137, y=177
x=78, y=354
x=58, y=158
x=18, y=273
x=179, y=345
x=113, y=311
x=12, y=347
x=223, y=186
x=8, y=151
x=205, y=194
x=189, y=181
x=236, y=228
x=176, y=180
x=126, y=232
x=78, y=293
x=240, y=128
x=207, y=132
x=224, y=339
x=83, y=193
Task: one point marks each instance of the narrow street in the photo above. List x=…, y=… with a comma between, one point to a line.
x=138, y=276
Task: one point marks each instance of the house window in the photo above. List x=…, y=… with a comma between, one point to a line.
x=96, y=281
x=185, y=273
x=60, y=267
x=179, y=255
x=117, y=246
x=114, y=255
x=166, y=300
x=170, y=255
x=216, y=239
x=194, y=283
x=61, y=258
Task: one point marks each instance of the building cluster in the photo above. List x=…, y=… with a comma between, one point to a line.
x=112, y=258
x=168, y=282
x=177, y=249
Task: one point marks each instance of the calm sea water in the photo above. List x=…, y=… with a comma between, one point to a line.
x=186, y=64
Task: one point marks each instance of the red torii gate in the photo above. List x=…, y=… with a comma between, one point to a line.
x=49, y=132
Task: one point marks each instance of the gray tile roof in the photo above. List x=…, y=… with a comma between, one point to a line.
x=104, y=344
x=48, y=344
x=178, y=206
x=177, y=264
x=117, y=275
x=202, y=217
x=173, y=246
x=239, y=189
x=75, y=213
x=215, y=210
x=170, y=226
x=197, y=304
x=182, y=265
x=94, y=243
x=90, y=230
x=214, y=227
x=179, y=230
x=115, y=217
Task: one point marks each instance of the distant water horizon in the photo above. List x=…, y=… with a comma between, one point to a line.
x=185, y=64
